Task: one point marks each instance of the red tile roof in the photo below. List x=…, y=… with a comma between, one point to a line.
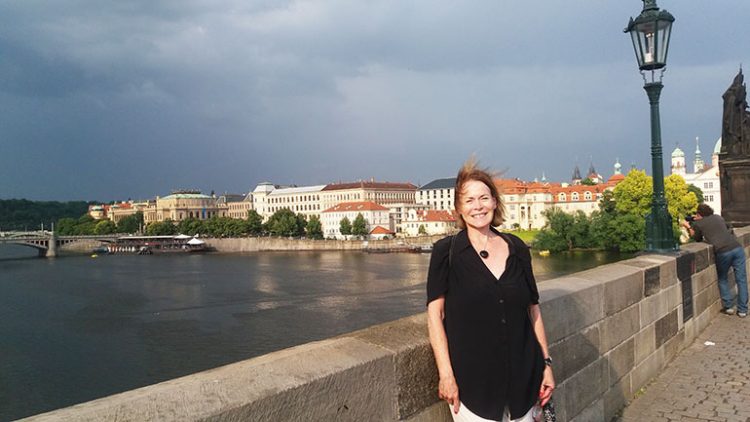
x=381, y=230
x=435, y=215
x=356, y=206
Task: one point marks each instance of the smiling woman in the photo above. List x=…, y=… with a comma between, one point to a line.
x=484, y=321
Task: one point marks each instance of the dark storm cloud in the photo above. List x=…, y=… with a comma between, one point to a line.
x=132, y=99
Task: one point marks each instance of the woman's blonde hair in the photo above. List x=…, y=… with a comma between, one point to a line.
x=472, y=171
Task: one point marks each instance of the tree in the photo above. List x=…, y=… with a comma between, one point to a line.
x=105, y=227
x=697, y=192
x=283, y=223
x=345, y=226
x=556, y=235
x=131, y=223
x=254, y=223
x=633, y=195
x=359, y=226
x=422, y=231
x=314, y=228
x=192, y=227
x=588, y=182
x=680, y=200
x=161, y=228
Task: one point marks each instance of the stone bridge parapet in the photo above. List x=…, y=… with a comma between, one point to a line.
x=611, y=330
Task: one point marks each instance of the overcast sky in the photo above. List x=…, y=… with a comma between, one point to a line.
x=103, y=100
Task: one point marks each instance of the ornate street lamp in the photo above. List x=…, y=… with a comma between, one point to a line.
x=650, y=33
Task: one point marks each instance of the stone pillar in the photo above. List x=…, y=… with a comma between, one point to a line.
x=52, y=246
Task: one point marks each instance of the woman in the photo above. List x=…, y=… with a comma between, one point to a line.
x=484, y=321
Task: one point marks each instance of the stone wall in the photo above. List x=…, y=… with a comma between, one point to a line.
x=611, y=330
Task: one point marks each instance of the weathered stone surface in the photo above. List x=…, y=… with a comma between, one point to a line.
x=685, y=264
x=621, y=360
x=654, y=307
x=416, y=375
x=616, y=397
x=341, y=379
x=595, y=412
x=435, y=413
x=674, y=345
x=619, y=327
x=585, y=387
x=666, y=328
x=623, y=285
x=579, y=350
x=645, y=343
x=701, y=252
x=647, y=369
x=652, y=281
x=687, y=299
x=569, y=305
x=702, y=300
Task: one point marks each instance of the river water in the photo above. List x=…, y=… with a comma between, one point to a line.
x=77, y=328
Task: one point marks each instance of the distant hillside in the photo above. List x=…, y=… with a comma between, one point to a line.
x=22, y=214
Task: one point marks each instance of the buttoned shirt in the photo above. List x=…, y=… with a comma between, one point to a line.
x=496, y=358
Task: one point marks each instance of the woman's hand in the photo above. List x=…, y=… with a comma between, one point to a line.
x=548, y=385
x=448, y=391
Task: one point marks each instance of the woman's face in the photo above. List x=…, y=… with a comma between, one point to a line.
x=477, y=206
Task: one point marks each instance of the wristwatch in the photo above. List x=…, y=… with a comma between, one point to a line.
x=548, y=362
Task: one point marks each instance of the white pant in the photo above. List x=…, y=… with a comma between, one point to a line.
x=466, y=415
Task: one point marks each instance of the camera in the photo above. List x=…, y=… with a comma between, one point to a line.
x=689, y=218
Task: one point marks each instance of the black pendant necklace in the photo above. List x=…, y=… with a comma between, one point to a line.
x=483, y=253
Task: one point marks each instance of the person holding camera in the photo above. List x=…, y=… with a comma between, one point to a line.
x=711, y=228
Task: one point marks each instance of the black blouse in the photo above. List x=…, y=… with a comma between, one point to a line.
x=496, y=358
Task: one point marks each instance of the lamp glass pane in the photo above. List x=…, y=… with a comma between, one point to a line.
x=637, y=46
x=665, y=31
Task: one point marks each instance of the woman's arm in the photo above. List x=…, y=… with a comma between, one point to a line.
x=548, y=382
x=447, y=387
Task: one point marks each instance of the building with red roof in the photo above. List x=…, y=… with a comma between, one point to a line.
x=374, y=214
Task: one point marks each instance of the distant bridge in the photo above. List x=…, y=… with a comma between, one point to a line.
x=46, y=243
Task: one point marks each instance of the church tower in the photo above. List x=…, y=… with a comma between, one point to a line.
x=678, y=162
x=698, y=164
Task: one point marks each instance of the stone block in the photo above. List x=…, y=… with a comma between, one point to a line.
x=585, y=387
x=570, y=304
x=594, y=412
x=701, y=301
x=687, y=299
x=674, y=296
x=666, y=328
x=619, y=327
x=416, y=375
x=438, y=412
x=652, y=281
x=690, y=332
x=645, y=343
x=701, y=252
x=704, y=278
x=316, y=381
x=617, y=397
x=685, y=264
x=674, y=345
x=654, y=307
x=667, y=268
x=623, y=285
x=646, y=370
x=576, y=352
x=621, y=361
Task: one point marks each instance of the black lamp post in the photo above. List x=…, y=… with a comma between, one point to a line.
x=650, y=33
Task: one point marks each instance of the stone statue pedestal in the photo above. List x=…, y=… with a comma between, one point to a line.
x=734, y=158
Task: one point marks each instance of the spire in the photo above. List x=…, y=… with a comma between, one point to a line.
x=576, y=173
x=544, y=178
x=698, y=164
x=618, y=166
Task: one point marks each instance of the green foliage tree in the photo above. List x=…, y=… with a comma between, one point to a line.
x=359, y=226
x=633, y=194
x=422, y=231
x=192, y=227
x=22, y=214
x=345, y=226
x=556, y=235
x=161, y=228
x=697, y=192
x=283, y=223
x=314, y=228
x=105, y=227
x=254, y=223
x=131, y=223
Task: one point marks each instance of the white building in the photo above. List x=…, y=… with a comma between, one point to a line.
x=432, y=222
x=269, y=198
x=438, y=194
x=703, y=176
x=374, y=214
